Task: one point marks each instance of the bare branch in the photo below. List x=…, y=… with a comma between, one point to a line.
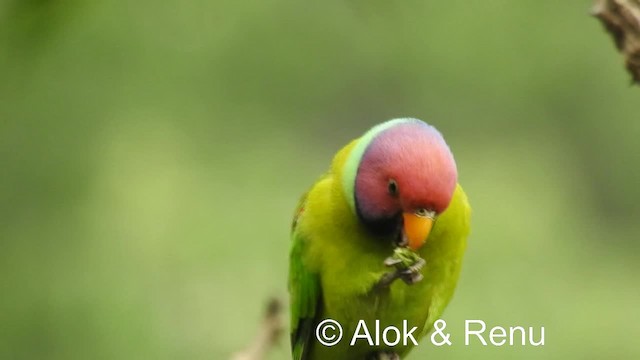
x=621, y=18
x=267, y=336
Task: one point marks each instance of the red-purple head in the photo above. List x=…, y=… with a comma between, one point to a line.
x=400, y=173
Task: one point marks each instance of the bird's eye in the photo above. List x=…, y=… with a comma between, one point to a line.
x=422, y=212
x=393, y=188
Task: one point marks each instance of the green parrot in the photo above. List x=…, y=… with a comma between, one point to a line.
x=380, y=237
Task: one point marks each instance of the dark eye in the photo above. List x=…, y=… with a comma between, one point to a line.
x=393, y=188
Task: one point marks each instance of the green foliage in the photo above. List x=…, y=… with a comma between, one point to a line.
x=403, y=258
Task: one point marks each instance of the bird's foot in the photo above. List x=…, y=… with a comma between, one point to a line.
x=407, y=267
x=384, y=355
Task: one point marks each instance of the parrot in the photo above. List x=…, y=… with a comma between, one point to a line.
x=379, y=239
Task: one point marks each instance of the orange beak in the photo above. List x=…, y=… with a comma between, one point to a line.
x=416, y=229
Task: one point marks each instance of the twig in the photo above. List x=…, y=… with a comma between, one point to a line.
x=621, y=18
x=267, y=336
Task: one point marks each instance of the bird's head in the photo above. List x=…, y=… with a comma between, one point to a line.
x=398, y=178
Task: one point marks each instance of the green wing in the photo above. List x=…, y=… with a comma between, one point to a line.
x=304, y=291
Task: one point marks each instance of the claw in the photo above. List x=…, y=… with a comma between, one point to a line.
x=391, y=261
x=418, y=265
x=410, y=275
x=411, y=278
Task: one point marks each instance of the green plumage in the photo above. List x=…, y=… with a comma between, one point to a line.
x=335, y=264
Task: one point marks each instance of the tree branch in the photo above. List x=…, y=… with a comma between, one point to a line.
x=621, y=18
x=267, y=336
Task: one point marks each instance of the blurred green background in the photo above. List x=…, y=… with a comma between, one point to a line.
x=152, y=153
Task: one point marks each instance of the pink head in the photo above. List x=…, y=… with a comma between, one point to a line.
x=406, y=169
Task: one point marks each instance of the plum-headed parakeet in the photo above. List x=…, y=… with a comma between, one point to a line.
x=380, y=236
